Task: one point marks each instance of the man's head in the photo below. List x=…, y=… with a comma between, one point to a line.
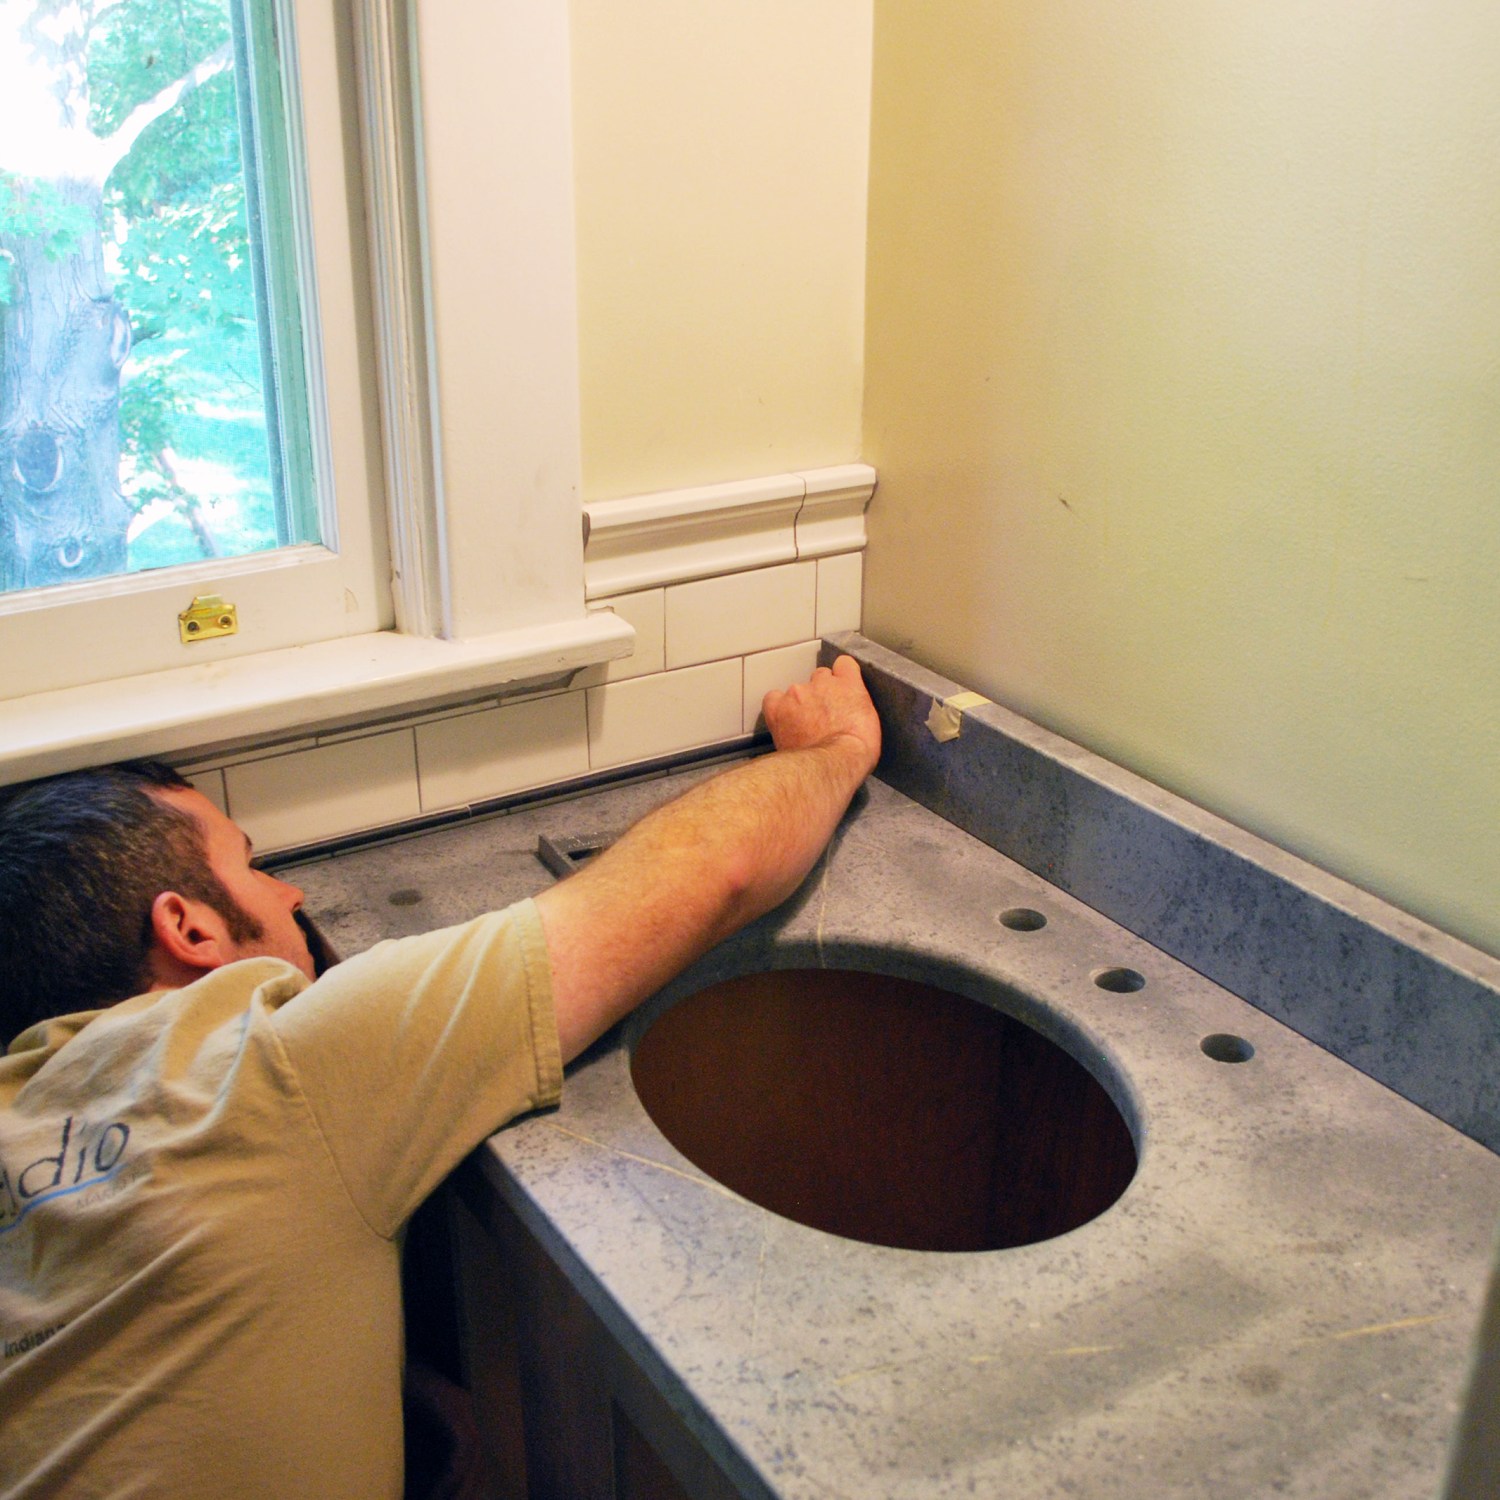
x=125, y=879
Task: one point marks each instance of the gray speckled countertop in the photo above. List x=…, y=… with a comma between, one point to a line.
x=1282, y=1302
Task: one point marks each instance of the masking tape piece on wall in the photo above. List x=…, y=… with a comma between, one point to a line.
x=945, y=718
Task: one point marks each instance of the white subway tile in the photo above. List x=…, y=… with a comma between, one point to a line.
x=840, y=592
x=718, y=617
x=401, y=721
x=499, y=750
x=649, y=716
x=322, y=793
x=410, y=721
x=775, y=669
x=433, y=715
x=262, y=751
x=646, y=611
x=211, y=784
x=531, y=695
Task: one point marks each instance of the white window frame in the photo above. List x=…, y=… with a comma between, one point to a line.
x=465, y=123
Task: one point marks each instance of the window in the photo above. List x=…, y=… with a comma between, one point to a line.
x=152, y=393
x=447, y=350
x=167, y=389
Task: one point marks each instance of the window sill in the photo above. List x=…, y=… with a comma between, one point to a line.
x=359, y=678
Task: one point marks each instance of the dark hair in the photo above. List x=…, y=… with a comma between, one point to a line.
x=82, y=858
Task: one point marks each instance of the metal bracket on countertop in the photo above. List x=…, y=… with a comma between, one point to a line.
x=567, y=853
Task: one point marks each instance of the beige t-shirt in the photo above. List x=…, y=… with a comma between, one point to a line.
x=200, y=1191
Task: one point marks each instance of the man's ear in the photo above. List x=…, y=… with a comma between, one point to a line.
x=189, y=934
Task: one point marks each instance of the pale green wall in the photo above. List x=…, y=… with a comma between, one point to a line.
x=1183, y=383
x=721, y=153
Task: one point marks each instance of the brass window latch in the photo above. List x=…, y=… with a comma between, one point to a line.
x=207, y=616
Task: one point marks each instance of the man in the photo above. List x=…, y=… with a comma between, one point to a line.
x=206, y=1164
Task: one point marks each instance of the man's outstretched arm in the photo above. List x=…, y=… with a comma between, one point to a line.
x=693, y=872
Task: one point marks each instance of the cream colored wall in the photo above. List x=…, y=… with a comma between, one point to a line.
x=720, y=163
x=1183, y=385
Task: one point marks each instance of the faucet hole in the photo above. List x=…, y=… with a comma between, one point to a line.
x=1022, y=919
x=1224, y=1047
x=1120, y=981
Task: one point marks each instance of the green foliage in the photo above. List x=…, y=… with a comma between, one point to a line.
x=178, y=198
x=32, y=207
x=187, y=265
x=138, y=48
x=150, y=401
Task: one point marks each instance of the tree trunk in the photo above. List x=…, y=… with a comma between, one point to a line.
x=64, y=338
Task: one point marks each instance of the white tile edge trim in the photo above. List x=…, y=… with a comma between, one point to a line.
x=671, y=536
x=832, y=518
x=197, y=707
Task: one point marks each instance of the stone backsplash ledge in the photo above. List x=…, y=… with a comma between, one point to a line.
x=1406, y=1004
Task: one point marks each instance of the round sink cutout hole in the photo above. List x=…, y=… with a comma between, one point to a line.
x=1120, y=981
x=406, y=897
x=1022, y=919
x=884, y=1110
x=1224, y=1047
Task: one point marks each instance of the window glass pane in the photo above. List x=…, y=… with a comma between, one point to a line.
x=152, y=399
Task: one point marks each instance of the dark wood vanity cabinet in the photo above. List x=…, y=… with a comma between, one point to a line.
x=565, y=1411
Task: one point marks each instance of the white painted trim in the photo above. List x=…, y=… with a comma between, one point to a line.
x=497, y=201
x=390, y=123
x=674, y=535
x=195, y=708
x=832, y=518
x=466, y=122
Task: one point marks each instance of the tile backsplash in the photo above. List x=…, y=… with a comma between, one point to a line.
x=498, y=750
x=649, y=716
x=716, y=618
x=707, y=651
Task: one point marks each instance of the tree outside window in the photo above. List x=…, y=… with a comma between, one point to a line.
x=140, y=361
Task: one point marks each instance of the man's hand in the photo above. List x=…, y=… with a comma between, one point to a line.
x=694, y=871
x=832, y=704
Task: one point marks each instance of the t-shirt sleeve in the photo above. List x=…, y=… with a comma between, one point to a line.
x=414, y=1051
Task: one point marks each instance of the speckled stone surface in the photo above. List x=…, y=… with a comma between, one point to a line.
x=1282, y=1302
x=1405, y=1003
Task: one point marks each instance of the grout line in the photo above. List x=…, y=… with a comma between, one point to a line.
x=736, y=748
x=666, y=646
x=416, y=761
